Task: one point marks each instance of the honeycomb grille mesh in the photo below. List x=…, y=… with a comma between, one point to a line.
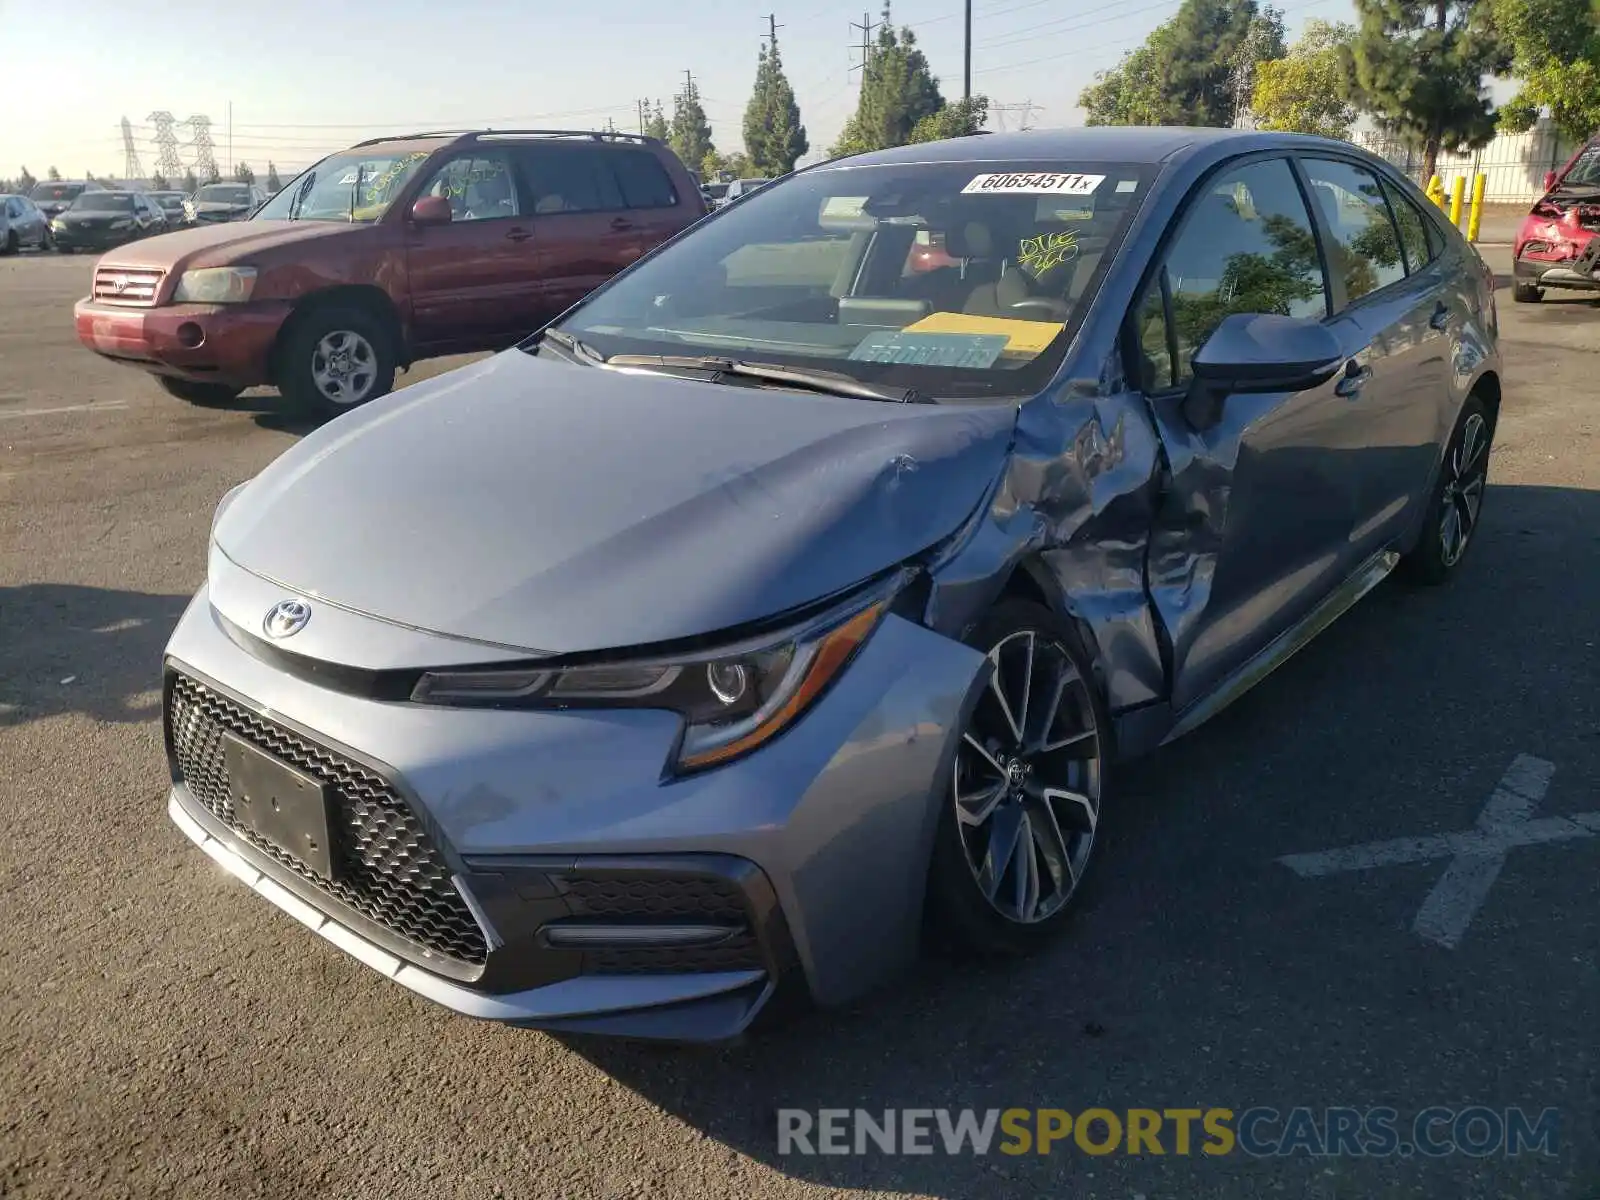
x=665, y=898
x=387, y=867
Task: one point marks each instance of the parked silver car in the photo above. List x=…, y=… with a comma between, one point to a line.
x=796, y=590
x=22, y=225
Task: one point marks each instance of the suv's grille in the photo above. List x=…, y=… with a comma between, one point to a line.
x=387, y=866
x=665, y=898
x=127, y=285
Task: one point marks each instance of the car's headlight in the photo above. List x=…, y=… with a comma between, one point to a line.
x=215, y=285
x=57, y=224
x=732, y=700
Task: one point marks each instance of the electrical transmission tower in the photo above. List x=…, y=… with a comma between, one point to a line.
x=1024, y=112
x=132, y=168
x=205, y=154
x=866, y=27
x=167, y=161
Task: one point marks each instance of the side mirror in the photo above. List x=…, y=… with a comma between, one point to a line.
x=431, y=210
x=1259, y=352
x=1549, y=180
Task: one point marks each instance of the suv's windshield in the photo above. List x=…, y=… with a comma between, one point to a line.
x=168, y=199
x=961, y=278
x=56, y=191
x=1586, y=170
x=103, y=202
x=327, y=192
x=222, y=193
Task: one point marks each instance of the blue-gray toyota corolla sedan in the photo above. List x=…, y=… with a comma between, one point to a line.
x=799, y=589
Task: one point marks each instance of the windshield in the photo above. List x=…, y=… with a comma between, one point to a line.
x=57, y=191
x=955, y=278
x=169, y=199
x=1585, y=171
x=103, y=202
x=223, y=194
x=327, y=191
x=716, y=190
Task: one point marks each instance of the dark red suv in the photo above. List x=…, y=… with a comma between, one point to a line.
x=396, y=250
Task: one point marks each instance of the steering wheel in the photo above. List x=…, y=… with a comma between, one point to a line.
x=1050, y=310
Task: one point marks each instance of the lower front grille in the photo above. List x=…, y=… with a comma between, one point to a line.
x=664, y=898
x=387, y=867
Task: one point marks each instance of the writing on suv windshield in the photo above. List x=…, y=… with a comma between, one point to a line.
x=345, y=187
x=946, y=278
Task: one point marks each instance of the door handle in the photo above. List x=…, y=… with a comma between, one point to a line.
x=1354, y=379
x=518, y=235
x=1441, y=316
x=621, y=223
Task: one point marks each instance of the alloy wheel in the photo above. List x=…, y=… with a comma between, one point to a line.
x=344, y=367
x=1027, y=779
x=1466, y=474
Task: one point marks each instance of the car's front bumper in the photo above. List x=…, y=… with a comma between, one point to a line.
x=1578, y=269
x=69, y=238
x=208, y=343
x=814, y=849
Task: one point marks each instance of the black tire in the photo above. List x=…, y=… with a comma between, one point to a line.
x=198, y=393
x=303, y=352
x=1526, y=293
x=1461, y=486
x=46, y=242
x=962, y=916
x=11, y=244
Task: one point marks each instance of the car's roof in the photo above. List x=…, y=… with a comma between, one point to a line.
x=1089, y=143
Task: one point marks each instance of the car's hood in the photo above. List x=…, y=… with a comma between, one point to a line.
x=94, y=218
x=214, y=206
x=561, y=508
x=228, y=242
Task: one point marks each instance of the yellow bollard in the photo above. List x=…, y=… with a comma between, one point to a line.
x=1458, y=193
x=1473, y=221
x=1435, y=191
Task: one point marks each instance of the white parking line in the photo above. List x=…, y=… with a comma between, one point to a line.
x=1476, y=854
x=68, y=408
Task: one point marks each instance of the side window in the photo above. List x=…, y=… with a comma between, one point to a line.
x=1365, y=249
x=478, y=188
x=1413, y=229
x=1245, y=246
x=569, y=179
x=644, y=182
x=13, y=208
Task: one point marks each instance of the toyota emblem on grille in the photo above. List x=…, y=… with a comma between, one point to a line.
x=286, y=618
x=119, y=284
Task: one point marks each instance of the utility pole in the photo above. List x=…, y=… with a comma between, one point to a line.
x=773, y=27
x=866, y=27
x=966, y=58
x=642, y=105
x=230, y=135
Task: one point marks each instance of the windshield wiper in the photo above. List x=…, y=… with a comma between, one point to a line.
x=580, y=351
x=829, y=383
x=355, y=191
x=300, y=194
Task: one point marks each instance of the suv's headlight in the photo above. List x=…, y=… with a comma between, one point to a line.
x=732, y=700
x=215, y=285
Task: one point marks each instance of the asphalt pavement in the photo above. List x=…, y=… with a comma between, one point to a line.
x=164, y=1032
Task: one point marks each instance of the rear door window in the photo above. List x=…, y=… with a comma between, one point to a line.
x=1419, y=251
x=644, y=181
x=569, y=179
x=1366, y=247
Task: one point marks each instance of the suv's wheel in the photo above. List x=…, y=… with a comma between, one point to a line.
x=1457, y=501
x=336, y=358
x=11, y=243
x=1526, y=293
x=198, y=393
x=1017, y=826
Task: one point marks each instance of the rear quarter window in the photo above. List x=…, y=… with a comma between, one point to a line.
x=643, y=180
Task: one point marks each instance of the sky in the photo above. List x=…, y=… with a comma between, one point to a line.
x=303, y=78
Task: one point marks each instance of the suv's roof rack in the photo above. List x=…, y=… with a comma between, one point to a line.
x=478, y=135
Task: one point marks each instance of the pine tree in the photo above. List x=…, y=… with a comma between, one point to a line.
x=243, y=174
x=656, y=126
x=274, y=184
x=773, y=135
x=1418, y=65
x=158, y=182
x=691, y=132
x=26, y=181
x=897, y=90
x=53, y=175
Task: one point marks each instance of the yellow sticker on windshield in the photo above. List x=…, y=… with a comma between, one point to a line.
x=1023, y=337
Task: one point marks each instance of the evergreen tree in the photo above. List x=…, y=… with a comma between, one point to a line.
x=158, y=182
x=1193, y=70
x=1304, y=92
x=26, y=181
x=691, y=132
x=773, y=135
x=897, y=90
x=1555, y=46
x=273, y=182
x=53, y=175
x=1418, y=66
x=215, y=175
x=243, y=174
x=656, y=126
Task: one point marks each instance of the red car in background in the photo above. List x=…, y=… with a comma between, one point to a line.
x=1557, y=246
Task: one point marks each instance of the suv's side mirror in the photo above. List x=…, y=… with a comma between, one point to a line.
x=1259, y=352
x=431, y=210
x=1549, y=180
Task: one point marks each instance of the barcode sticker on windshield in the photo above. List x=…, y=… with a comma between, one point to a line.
x=1035, y=184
